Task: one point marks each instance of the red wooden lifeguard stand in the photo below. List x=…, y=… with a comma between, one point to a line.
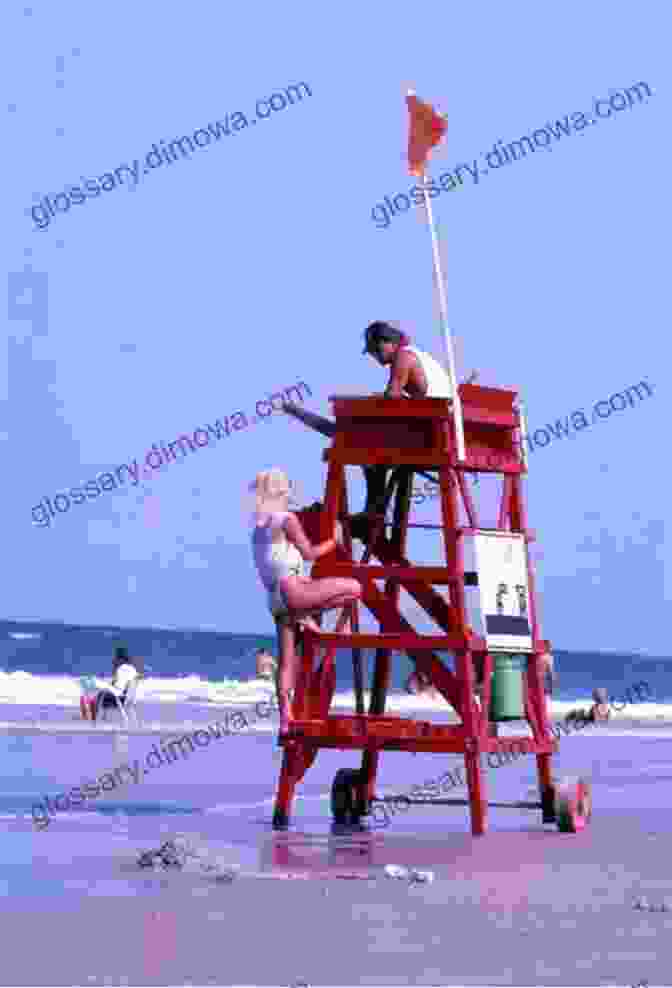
x=410, y=437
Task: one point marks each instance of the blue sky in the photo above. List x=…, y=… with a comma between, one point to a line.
x=255, y=263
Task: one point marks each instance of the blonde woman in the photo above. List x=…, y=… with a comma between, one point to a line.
x=280, y=547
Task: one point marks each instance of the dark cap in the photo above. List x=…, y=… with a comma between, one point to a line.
x=380, y=332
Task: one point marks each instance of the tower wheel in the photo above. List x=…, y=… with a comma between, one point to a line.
x=347, y=807
x=573, y=805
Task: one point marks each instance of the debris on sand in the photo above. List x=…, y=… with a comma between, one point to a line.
x=644, y=905
x=411, y=875
x=186, y=855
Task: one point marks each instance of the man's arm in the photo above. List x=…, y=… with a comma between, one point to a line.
x=399, y=375
x=324, y=426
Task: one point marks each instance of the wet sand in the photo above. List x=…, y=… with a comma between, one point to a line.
x=524, y=905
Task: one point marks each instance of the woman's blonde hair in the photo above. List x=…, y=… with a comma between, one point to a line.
x=272, y=490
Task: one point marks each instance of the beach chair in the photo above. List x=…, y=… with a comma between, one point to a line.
x=125, y=703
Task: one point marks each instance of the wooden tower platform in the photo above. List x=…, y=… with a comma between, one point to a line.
x=475, y=617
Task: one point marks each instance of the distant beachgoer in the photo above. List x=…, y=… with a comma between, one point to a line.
x=547, y=667
x=124, y=670
x=418, y=684
x=266, y=665
x=600, y=710
x=280, y=546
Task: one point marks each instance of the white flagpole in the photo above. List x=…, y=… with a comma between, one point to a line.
x=447, y=339
x=523, y=431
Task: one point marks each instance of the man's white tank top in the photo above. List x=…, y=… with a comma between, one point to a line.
x=438, y=381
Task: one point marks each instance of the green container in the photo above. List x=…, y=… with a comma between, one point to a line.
x=506, y=698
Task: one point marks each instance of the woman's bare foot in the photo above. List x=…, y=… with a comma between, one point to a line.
x=308, y=623
x=313, y=626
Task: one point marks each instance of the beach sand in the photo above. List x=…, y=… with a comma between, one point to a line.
x=523, y=905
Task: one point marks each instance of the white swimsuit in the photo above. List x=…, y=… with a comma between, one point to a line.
x=275, y=557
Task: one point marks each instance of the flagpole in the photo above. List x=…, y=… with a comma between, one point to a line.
x=523, y=431
x=443, y=306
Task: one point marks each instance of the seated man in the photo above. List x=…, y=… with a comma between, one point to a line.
x=413, y=374
x=124, y=671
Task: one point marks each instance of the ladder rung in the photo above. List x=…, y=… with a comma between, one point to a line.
x=400, y=642
x=405, y=574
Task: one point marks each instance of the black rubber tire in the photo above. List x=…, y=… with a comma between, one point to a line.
x=346, y=806
x=548, y=805
x=574, y=805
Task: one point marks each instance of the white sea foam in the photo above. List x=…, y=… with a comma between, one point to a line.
x=27, y=689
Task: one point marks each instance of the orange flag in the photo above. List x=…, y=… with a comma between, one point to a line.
x=427, y=128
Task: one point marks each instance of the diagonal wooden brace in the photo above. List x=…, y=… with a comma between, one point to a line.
x=390, y=619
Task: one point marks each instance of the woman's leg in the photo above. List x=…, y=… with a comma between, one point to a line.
x=287, y=663
x=306, y=596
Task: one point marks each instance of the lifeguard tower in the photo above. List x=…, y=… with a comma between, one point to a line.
x=482, y=601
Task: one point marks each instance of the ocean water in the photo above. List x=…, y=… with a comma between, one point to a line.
x=41, y=663
x=223, y=795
